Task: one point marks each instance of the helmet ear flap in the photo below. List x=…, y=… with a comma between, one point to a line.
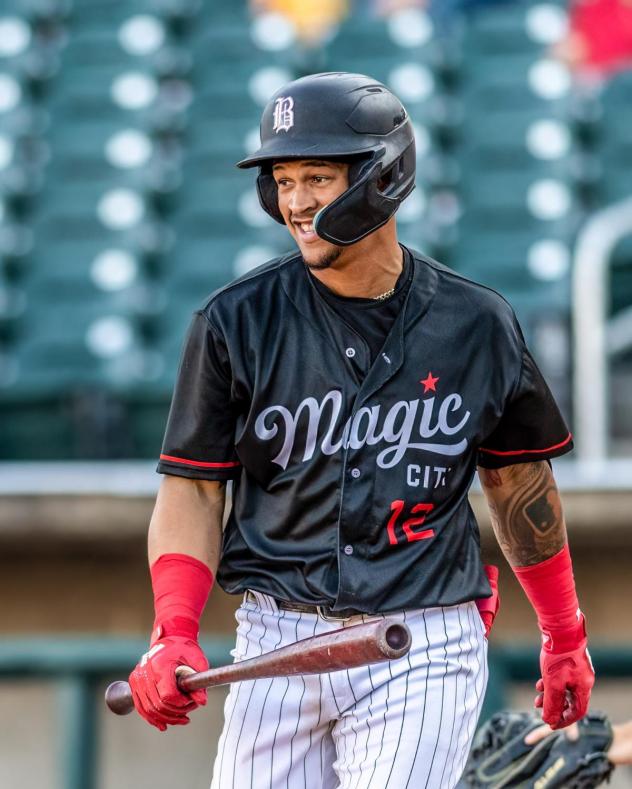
x=269, y=196
x=397, y=179
x=357, y=212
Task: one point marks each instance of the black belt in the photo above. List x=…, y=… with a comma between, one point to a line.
x=324, y=611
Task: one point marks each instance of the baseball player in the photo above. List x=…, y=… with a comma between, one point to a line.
x=349, y=390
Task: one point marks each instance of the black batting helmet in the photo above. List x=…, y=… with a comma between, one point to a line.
x=343, y=117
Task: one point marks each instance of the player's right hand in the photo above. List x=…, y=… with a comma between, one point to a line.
x=153, y=681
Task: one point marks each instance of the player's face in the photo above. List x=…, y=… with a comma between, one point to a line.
x=304, y=187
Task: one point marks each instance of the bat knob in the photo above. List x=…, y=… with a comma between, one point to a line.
x=394, y=639
x=118, y=697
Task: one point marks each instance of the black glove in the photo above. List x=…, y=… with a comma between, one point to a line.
x=500, y=759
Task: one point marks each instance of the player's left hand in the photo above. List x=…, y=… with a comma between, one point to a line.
x=567, y=678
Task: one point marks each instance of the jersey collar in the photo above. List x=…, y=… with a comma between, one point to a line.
x=302, y=294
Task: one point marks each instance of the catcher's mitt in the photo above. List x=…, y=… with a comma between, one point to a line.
x=500, y=758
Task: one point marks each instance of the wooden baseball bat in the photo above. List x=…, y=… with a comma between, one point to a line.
x=348, y=647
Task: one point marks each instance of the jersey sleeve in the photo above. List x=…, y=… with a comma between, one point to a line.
x=531, y=426
x=199, y=439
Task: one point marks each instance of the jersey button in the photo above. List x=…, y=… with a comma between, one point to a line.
x=348, y=549
x=355, y=472
x=350, y=352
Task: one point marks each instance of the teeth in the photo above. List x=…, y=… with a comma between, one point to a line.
x=307, y=227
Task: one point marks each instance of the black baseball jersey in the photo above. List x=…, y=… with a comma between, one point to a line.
x=372, y=319
x=351, y=478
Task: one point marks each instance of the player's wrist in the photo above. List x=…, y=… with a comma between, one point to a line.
x=181, y=586
x=179, y=627
x=550, y=588
x=567, y=639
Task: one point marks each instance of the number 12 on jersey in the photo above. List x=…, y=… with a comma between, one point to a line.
x=398, y=509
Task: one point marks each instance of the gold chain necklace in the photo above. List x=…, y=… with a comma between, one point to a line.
x=384, y=295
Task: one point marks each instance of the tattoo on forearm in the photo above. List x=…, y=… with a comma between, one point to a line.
x=505, y=545
x=526, y=512
x=492, y=477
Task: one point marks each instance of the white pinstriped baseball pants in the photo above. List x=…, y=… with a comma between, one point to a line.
x=403, y=723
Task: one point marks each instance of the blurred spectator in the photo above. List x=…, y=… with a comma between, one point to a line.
x=388, y=7
x=313, y=20
x=442, y=11
x=600, y=37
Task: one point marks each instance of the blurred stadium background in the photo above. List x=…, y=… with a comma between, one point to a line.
x=120, y=210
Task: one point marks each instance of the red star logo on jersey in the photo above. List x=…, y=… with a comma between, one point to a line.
x=429, y=383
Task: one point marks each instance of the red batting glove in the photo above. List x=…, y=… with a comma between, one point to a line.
x=153, y=681
x=488, y=607
x=567, y=672
x=567, y=676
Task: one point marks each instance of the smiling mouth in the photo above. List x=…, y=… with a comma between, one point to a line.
x=305, y=231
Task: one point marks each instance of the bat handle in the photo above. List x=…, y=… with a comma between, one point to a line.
x=118, y=697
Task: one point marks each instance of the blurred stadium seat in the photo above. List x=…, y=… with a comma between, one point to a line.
x=120, y=207
x=614, y=145
x=524, y=172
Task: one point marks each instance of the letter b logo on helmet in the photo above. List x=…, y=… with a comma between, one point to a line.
x=283, y=114
x=343, y=117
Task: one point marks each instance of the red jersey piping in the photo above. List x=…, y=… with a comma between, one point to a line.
x=528, y=451
x=199, y=463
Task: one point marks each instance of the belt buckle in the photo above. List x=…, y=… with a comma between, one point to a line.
x=328, y=617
